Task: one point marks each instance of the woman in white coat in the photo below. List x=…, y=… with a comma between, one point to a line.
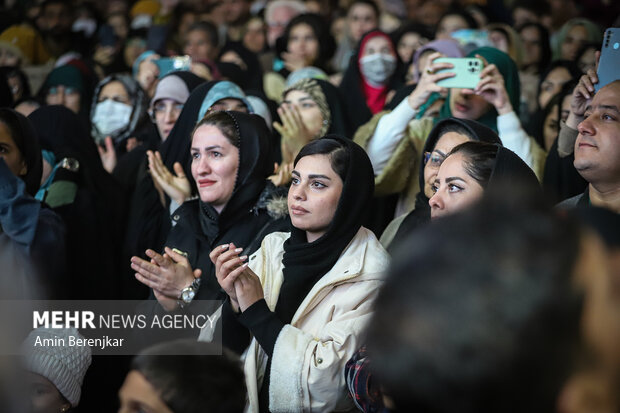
x=305, y=296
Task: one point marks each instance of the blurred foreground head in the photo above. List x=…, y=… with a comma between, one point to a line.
x=480, y=311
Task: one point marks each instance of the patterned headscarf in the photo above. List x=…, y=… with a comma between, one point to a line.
x=311, y=87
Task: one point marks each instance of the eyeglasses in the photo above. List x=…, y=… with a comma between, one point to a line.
x=54, y=90
x=433, y=159
x=161, y=108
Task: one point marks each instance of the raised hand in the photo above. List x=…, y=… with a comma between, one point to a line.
x=108, y=154
x=148, y=72
x=167, y=274
x=492, y=88
x=248, y=289
x=428, y=82
x=228, y=266
x=176, y=186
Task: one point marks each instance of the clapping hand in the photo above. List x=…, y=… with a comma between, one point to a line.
x=176, y=186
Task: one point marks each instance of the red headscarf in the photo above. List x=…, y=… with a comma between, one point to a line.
x=375, y=96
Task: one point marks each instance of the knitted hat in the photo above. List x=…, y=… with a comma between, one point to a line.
x=171, y=87
x=24, y=41
x=150, y=7
x=63, y=365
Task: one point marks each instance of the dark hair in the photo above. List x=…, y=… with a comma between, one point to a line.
x=538, y=7
x=469, y=19
x=411, y=27
x=370, y=3
x=337, y=153
x=327, y=45
x=585, y=48
x=479, y=159
x=195, y=380
x=456, y=128
x=545, y=44
x=478, y=313
x=24, y=136
x=224, y=122
x=207, y=27
x=570, y=66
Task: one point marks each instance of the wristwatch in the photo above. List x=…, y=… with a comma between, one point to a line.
x=188, y=293
x=70, y=164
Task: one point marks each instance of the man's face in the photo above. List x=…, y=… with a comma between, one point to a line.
x=597, y=148
x=279, y=19
x=57, y=19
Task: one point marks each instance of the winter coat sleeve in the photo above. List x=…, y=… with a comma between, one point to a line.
x=517, y=140
x=308, y=370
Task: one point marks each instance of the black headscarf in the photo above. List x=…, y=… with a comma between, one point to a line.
x=95, y=217
x=422, y=212
x=6, y=97
x=352, y=89
x=305, y=263
x=509, y=167
x=327, y=45
x=26, y=140
x=61, y=131
x=254, y=168
x=252, y=76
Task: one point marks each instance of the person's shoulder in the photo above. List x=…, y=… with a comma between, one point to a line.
x=366, y=247
x=570, y=202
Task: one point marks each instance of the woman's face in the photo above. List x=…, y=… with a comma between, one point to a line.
x=530, y=37
x=116, y=91
x=64, y=95
x=197, y=45
x=551, y=127
x=308, y=109
x=408, y=44
x=576, y=37
x=11, y=153
x=302, y=42
x=361, y=19
x=44, y=396
x=314, y=195
x=453, y=187
x=378, y=44
x=449, y=24
x=552, y=84
x=229, y=104
x=444, y=145
x=499, y=40
x=255, y=35
x=215, y=162
x=138, y=395
x=166, y=112
x=587, y=60
x=464, y=104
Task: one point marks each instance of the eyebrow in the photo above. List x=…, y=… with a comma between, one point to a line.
x=454, y=178
x=608, y=107
x=439, y=152
x=312, y=176
x=208, y=148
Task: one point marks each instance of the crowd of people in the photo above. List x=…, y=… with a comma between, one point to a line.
x=376, y=240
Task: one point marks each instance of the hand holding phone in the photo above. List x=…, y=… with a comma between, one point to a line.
x=172, y=64
x=467, y=71
x=609, y=61
x=432, y=74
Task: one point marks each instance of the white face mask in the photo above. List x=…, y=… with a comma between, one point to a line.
x=111, y=116
x=377, y=68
